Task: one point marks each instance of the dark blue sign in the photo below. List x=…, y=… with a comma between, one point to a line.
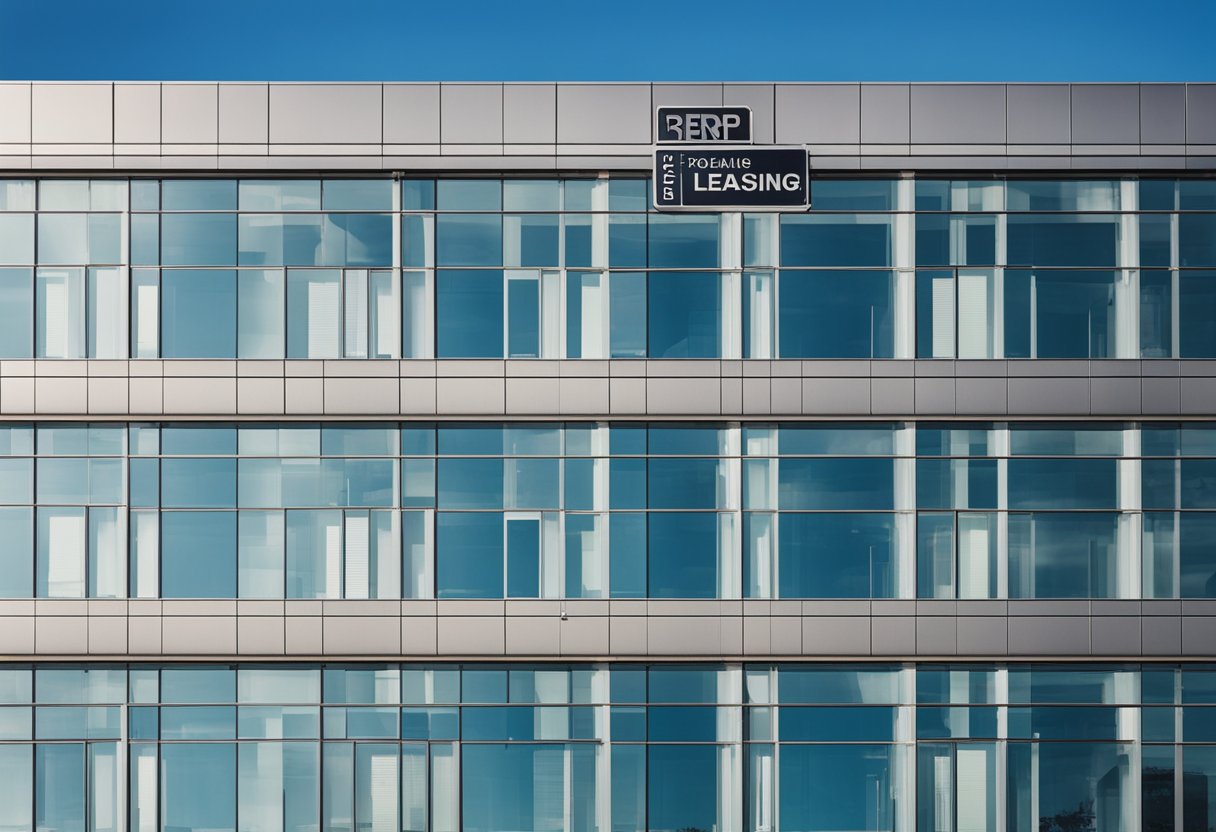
x=731, y=179
x=704, y=125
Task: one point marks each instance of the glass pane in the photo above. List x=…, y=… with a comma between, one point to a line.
x=831, y=314
x=260, y=548
x=682, y=788
x=685, y=312
x=468, y=240
x=1061, y=314
x=60, y=301
x=682, y=242
x=837, y=555
x=376, y=787
x=834, y=787
x=1065, y=555
x=17, y=553
x=198, y=314
x=469, y=194
x=60, y=796
x=523, y=317
x=1063, y=240
x=835, y=239
x=1196, y=306
x=198, y=239
x=198, y=554
x=199, y=194
x=1062, y=785
x=16, y=239
x=198, y=790
x=279, y=195
x=16, y=787
x=314, y=554
x=469, y=555
x=523, y=558
x=61, y=552
x=279, y=786
x=313, y=307
x=683, y=555
x=627, y=334
x=198, y=483
x=260, y=305
x=16, y=311
x=469, y=314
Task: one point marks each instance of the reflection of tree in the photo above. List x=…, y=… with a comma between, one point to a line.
x=1080, y=820
x=1158, y=799
x=692, y=829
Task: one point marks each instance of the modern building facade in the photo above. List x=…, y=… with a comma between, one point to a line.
x=376, y=457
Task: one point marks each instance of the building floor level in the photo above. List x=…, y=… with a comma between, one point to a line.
x=660, y=747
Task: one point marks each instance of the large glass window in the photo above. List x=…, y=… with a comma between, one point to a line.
x=835, y=314
x=469, y=314
x=1007, y=269
x=628, y=510
x=568, y=747
x=198, y=313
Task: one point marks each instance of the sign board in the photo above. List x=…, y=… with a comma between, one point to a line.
x=731, y=179
x=704, y=125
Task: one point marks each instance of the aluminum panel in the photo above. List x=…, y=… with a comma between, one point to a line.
x=73, y=113
x=470, y=114
x=604, y=113
x=958, y=113
x=1106, y=114
x=352, y=113
x=818, y=114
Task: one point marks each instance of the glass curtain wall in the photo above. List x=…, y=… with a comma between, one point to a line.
x=608, y=510
x=647, y=748
x=584, y=268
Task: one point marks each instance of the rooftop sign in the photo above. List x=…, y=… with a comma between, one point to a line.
x=704, y=125
x=731, y=179
x=704, y=160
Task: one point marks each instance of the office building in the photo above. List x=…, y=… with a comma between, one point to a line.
x=378, y=457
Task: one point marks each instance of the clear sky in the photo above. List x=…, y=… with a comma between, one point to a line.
x=925, y=40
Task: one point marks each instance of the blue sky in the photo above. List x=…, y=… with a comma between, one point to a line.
x=1031, y=40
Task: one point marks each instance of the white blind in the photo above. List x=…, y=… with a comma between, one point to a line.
x=384, y=336
x=107, y=322
x=65, y=555
x=323, y=304
x=943, y=799
x=384, y=557
x=973, y=794
x=146, y=320
x=416, y=315
x=943, y=317
x=355, y=314
x=973, y=566
x=332, y=540
x=974, y=316
x=356, y=556
x=383, y=793
x=593, y=303
x=145, y=778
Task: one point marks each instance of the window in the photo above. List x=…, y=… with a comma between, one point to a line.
x=833, y=314
x=1063, y=314
x=469, y=314
x=198, y=313
x=198, y=554
x=685, y=315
